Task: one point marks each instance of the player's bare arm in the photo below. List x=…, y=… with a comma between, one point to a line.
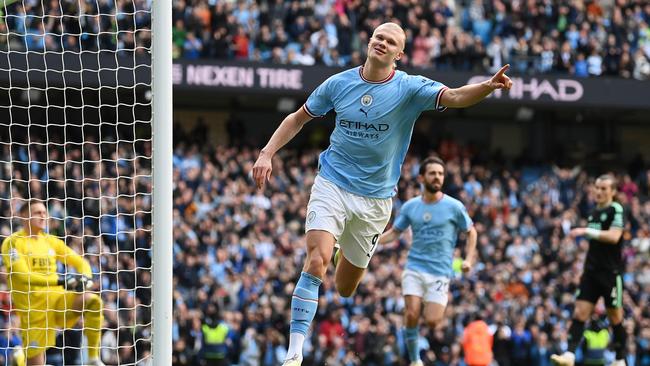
x=471, y=94
x=611, y=236
x=289, y=127
x=470, y=250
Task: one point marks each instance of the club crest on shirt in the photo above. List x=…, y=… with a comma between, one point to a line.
x=426, y=217
x=603, y=216
x=366, y=100
x=51, y=252
x=13, y=254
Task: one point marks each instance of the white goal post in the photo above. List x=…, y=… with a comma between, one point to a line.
x=162, y=192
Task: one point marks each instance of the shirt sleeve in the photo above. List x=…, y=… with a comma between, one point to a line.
x=402, y=222
x=16, y=264
x=464, y=221
x=619, y=220
x=320, y=101
x=427, y=93
x=68, y=256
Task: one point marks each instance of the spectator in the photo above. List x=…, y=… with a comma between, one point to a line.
x=477, y=343
x=581, y=68
x=192, y=47
x=540, y=352
x=214, y=334
x=596, y=339
x=595, y=63
x=641, y=66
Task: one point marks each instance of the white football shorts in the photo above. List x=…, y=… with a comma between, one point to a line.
x=430, y=288
x=355, y=221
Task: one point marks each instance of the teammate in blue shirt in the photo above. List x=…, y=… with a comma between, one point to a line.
x=435, y=220
x=376, y=107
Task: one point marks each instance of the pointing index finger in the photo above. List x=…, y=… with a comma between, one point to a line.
x=503, y=70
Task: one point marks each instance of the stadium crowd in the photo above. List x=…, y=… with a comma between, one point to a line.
x=580, y=37
x=238, y=251
x=99, y=200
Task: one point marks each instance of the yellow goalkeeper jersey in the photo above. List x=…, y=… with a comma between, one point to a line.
x=30, y=263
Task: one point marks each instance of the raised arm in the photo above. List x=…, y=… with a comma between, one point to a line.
x=282, y=135
x=471, y=94
x=67, y=256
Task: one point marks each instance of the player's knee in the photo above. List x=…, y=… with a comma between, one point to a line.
x=433, y=322
x=316, y=264
x=93, y=301
x=411, y=315
x=345, y=290
x=615, y=318
x=581, y=314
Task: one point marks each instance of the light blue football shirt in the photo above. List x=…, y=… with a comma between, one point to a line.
x=435, y=229
x=374, y=124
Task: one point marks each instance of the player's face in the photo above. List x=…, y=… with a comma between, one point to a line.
x=386, y=44
x=603, y=191
x=37, y=216
x=434, y=178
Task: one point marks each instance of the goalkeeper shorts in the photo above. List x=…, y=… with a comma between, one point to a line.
x=40, y=324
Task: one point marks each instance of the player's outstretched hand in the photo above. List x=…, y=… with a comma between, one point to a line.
x=262, y=170
x=466, y=266
x=500, y=80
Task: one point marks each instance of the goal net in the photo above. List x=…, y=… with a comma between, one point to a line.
x=76, y=132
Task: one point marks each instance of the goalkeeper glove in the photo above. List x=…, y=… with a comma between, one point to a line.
x=74, y=282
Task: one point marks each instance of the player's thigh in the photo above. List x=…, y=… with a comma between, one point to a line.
x=413, y=284
x=320, y=245
x=366, y=223
x=326, y=217
x=37, y=337
x=68, y=309
x=583, y=310
x=434, y=312
x=347, y=276
x=435, y=297
x=588, y=293
x=326, y=208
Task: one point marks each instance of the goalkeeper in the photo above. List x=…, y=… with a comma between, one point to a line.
x=43, y=299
